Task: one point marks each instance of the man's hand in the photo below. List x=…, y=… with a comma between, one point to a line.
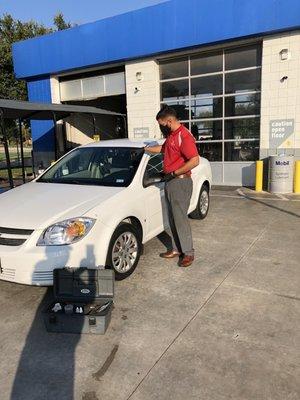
x=153, y=149
x=169, y=177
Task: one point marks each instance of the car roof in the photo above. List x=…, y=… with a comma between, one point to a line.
x=124, y=143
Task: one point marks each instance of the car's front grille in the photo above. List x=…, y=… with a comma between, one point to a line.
x=13, y=231
x=11, y=242
x=42, y=276
x=8, y=273
x=14, y=237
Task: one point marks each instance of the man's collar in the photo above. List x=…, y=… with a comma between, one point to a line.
x=177, y=130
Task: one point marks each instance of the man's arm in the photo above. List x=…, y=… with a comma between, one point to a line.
x=153, y=149
x=190, y=152
x=188, y=166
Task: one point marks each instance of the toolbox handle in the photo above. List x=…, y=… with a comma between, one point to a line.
x=52, y=319
x=92, y=321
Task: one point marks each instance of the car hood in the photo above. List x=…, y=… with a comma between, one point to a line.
x=38, y=205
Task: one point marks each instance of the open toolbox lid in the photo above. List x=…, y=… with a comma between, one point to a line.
x=83, y=285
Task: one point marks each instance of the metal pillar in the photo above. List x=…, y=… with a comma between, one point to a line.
x=32, y=162
x=125, y=126
x=55, y=136
x=64, y=133
x=28, y=117
x=22, y=151
x=94, y=124
x=10, y=177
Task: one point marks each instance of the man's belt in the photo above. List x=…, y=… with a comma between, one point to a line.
x=183, y=176
x=169, y=177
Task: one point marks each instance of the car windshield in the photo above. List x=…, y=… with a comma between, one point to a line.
x=103, y=166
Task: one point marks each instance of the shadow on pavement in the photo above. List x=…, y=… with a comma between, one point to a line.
x=272, y=206
x=46, y=368
x=166, y=240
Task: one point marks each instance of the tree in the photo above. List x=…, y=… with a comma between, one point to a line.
x=11, y=31
x=60, y=22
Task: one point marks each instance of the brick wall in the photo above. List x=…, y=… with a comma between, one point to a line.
x=143, y=97
x=280, y=99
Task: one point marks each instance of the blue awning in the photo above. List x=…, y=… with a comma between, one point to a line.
x=166, y=27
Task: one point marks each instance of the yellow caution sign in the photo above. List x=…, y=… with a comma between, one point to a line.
x=297, y=177
x=96, y=138
x=259, y=176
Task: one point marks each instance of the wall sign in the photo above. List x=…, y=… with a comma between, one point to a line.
x=141, y=133
x=280, y=131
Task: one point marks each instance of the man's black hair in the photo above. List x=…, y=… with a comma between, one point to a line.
x=165, y=112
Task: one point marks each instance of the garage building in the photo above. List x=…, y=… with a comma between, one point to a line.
x=230, y=68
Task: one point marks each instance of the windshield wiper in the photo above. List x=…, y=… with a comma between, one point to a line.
x=80, y=182
x=70, y=181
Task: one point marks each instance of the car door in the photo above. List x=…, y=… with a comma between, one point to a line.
x=155, y=198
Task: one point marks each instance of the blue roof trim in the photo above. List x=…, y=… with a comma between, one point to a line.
x=174, y=25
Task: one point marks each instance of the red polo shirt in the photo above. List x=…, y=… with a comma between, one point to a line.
x=178, y=148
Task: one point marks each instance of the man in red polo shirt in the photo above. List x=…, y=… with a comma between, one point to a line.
x=180, y=157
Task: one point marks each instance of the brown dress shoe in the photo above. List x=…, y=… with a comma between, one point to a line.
x=186, y=261
x=170, y=254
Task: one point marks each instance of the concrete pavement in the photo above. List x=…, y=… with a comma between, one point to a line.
x=227, y=328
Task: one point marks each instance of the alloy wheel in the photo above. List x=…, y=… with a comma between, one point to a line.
x=124, y=253
x=204, y=202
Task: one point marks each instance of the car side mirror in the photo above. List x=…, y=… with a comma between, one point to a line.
x=152, y=180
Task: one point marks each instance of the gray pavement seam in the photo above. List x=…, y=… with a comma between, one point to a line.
x=250, y=288
x=208, y=299
x=262, y=291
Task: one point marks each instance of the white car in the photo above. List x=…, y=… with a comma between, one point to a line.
x=95, y=207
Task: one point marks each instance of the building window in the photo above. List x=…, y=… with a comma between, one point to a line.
x=217, y=96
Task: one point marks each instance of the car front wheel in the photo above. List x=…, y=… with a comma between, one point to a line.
x=124, y=250
x=202, y=208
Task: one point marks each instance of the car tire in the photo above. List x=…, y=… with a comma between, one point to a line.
x=202, y=208
x=124, y=250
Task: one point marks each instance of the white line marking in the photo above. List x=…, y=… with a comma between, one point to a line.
x=281, y=197
x=252, y=198
x=228, y=196
x=241, y=193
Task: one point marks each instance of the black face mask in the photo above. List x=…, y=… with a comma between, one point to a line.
x=165, y=130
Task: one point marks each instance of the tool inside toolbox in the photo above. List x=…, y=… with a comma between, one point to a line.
x=80, y=308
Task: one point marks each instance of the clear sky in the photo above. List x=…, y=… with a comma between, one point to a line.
x=76, y=11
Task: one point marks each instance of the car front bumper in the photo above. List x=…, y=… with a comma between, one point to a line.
x=33, y=265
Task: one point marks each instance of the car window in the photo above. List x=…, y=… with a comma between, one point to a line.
x=104, y=166
x=73, y=165
x=155, y=165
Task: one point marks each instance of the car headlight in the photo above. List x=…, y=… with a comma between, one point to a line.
x=66, y=232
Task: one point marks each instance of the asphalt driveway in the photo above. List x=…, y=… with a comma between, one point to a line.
x=226, y=328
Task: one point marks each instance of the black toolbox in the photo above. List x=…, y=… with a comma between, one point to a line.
x=83, y=301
